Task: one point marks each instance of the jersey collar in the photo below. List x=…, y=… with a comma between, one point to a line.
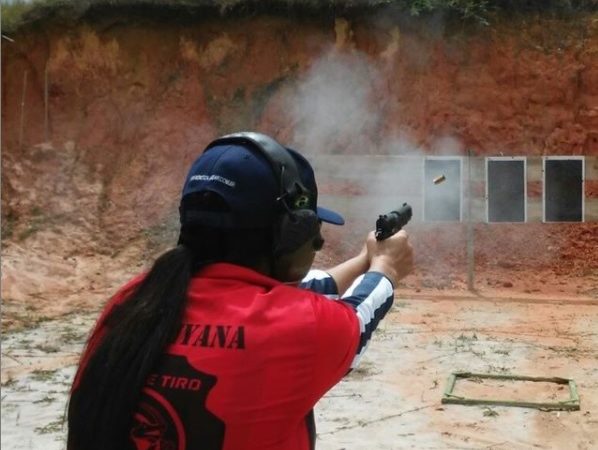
x=234, y=272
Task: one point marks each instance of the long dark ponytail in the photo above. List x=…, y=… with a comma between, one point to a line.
x=99, y=412
x=137, y=331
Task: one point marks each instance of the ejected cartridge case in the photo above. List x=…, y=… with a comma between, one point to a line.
x=439, y=179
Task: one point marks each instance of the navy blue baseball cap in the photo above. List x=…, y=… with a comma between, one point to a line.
x=243, y=176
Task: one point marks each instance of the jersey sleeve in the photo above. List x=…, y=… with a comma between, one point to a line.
x=320, y=282
x=371, y=296
x=344, y=328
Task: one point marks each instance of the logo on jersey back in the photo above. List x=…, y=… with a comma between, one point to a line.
x=172, y=412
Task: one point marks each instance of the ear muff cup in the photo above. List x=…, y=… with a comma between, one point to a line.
x=295, y=229
x=297, y=223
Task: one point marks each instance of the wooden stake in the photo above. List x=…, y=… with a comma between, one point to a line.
x=46, y=121
x=22, y=124
x=470, y=231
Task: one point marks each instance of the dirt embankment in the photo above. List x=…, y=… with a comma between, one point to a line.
x=101, y=119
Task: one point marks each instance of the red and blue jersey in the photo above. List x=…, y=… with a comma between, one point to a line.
x=251, y=359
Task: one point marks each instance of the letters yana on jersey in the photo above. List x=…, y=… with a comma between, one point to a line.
x=219, y=336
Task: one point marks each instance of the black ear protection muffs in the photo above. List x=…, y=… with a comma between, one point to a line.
x=298, y=223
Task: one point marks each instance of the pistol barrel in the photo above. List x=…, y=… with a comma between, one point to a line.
x=391, y=223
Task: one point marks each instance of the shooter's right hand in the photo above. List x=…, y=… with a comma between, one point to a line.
x=393, y=256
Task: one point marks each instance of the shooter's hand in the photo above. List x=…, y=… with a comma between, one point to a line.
x=393, y=256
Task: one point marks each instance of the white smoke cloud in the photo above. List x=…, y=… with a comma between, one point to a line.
x=331, y=108
x=337, y=122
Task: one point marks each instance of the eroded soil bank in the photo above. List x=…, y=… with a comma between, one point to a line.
x=100, y=120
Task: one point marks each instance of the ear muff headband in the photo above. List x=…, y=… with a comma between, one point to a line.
x=297, y=223
x=282, y=163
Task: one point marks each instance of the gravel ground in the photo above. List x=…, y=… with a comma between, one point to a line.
x=392, y=401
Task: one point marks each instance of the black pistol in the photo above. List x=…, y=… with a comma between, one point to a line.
x=389, y=224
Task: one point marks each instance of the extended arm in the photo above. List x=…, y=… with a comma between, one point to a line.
x=346, y=272
x=345, y=327
x=392, y=257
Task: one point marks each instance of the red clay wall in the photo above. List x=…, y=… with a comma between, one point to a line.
x=131, y=102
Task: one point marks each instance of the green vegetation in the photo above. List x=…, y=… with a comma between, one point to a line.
x=8, y=383
x=503, y=352
x=43, y=375
x=16, y=13
x=52, y=427
x=18, y=321
x=489, y=412
x=48, y=348
x=72, y=336
x=35, y=224
x=46, y=399
x=12, y=14
x=9, y=221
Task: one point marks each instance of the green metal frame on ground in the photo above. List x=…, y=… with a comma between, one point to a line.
x=572, y=404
